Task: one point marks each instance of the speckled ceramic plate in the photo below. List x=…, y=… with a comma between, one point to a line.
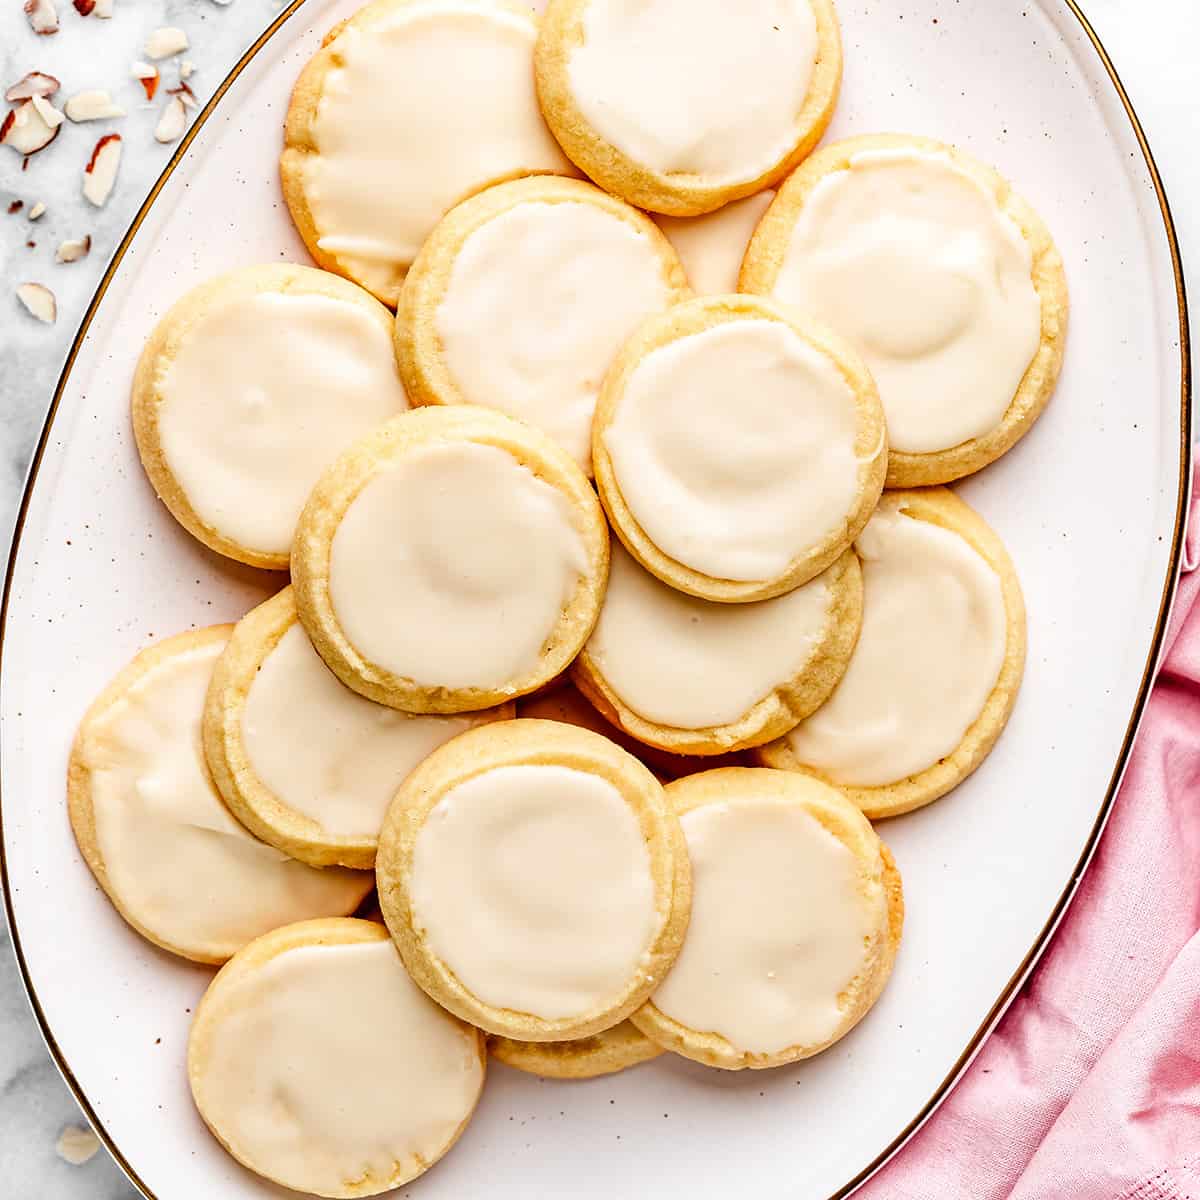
x=1090, y=505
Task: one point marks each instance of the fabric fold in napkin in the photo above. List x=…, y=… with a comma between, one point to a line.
x=1089, y=1089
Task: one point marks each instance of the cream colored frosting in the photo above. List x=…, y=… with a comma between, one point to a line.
x=328, y=1065
x=422, y=111
x=540, y=300
x=647, y=73
x=328, y=752
x=262, y=394
x=778, y=927
x=930, y=652
x=453, y=566
x=181, y=866
x=904, y=224
x=692, y=664
x=734, y=448
x=712, y=246
x=533, y=885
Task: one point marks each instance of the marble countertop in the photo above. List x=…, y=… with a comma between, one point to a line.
x=1152, y=52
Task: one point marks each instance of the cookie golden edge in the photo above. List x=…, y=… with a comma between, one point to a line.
x=160, y=350
x=606, y=1053
x=764, y=260
x=530, y=742
x=299, y=136
x=339, y=487
x=941, y=507
x=687, y=320
x=679, y=194
x=245, y=794
x=419, y=350
x=776, y=713
x=331, y=931
x=877, y=874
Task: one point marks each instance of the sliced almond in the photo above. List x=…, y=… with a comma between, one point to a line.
x=39, y=301
x=51, y=115
x=25, y=130
x=164, y=42
x=43, y=16
x=148, y=76
x=92, y=106
x=36, y=83
x=36, y=211
x=73, y=249
x=173, y=121
x=186, y=68
x=103, y=9
x=101, y=172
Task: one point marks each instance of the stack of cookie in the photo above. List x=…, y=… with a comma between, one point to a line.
x=615, y=794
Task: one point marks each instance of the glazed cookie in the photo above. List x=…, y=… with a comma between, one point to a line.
x=523, y=295
x=712, y=247
x=451, y=561
x=937, y=668
x=738, y=450
x=409, y=107
x=317, y=1062
x=535, y=880
x=796, y=920
x=868, y=223
x=247, y=389
x=616, y=1049
x=629, y=91
x=693, y=677
x=153, y=830
x=564, y=702
x=301, y=760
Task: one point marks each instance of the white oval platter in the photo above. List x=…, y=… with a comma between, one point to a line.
x=1090, y=505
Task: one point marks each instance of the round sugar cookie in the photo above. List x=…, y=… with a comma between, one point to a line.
x=317, y=1062
x=151, y=825
x=797, y=915
x=681, y=106
x=301, y=760
x=534, y=880
x=693, y=677
x=712, y=247
x=738, y=449
x=868, y=223
x=616, y=1049
x=409, y=107
x=450, y=561
x=521, y=298
x=938, y=664
x=562, y=701
x=247, y=389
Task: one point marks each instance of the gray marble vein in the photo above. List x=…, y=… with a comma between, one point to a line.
x=1152, y=44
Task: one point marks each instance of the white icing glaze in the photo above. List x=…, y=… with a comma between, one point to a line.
x=453, y=565
x=328, y=752
x=533, y=885
x=777, y=931
x=540, y=300
x=644, y=79
x=692, y=664
x=328, y=1064
x=263, y=393
x=424, y=109
x=734, y=448
x=903, y=224
x=180, y=864
x=712, y=246
x=929, y=655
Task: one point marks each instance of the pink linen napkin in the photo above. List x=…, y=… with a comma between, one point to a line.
x=1089, y=1089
